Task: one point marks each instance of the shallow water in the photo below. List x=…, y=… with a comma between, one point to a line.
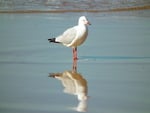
x=112, y=71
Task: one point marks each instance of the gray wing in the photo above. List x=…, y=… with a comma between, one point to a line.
x=68, y=36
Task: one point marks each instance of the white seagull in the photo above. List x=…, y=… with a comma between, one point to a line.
x=74, y=36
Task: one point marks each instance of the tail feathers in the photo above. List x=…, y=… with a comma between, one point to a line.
x=52, y=40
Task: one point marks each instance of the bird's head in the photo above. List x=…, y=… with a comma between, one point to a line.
x=83, y=20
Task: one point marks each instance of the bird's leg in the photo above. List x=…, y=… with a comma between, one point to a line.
x=73, y=50
x=75, y=54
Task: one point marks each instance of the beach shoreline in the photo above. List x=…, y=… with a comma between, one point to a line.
x=134, y=8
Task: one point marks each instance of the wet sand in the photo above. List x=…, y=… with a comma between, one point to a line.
x=111, y=75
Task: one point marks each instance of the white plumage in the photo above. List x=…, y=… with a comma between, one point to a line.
x=74, y=36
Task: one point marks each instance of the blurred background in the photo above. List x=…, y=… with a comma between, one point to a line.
x=48, y=5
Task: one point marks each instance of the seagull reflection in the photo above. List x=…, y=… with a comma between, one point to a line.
x=74, y=84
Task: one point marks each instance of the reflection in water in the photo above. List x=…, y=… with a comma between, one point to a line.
x=74, y=84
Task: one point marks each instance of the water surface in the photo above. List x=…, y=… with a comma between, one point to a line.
x=112, y=71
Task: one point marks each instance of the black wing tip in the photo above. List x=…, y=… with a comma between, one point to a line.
x=52, y=40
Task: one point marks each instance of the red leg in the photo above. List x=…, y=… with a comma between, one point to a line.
x=73, y=51
x=75, y=54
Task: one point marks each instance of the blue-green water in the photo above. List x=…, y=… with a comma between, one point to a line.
x=114, y=61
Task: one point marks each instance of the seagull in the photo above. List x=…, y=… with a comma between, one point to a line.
x=73, y=36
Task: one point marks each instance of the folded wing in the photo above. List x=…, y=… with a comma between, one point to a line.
x=68, y=36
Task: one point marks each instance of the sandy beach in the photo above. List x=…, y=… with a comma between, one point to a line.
x=112, y=71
